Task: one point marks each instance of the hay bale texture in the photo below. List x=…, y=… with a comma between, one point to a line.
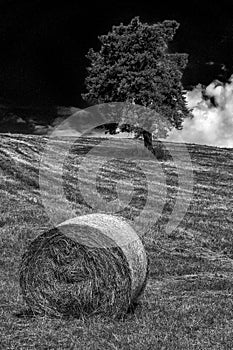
x=92, y=264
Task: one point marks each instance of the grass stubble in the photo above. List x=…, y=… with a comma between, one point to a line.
x=187, y=303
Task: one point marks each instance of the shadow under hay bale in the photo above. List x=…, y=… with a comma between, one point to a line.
x=89, y=265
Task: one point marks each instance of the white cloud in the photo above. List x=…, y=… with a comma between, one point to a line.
x=212, y=124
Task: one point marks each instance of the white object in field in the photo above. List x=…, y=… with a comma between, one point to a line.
x=122, y=235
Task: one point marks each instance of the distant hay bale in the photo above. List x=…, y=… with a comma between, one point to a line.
x=92, y=264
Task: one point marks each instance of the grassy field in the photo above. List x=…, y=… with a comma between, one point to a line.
x=188, y=301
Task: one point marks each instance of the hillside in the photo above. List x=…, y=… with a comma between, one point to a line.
x=188, y=300
x=38, y=120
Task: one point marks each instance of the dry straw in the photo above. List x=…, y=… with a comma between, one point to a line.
x=92, y=264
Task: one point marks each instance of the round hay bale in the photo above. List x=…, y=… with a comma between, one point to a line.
x=92, y=264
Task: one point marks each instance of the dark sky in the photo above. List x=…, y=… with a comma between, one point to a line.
x=43, y=43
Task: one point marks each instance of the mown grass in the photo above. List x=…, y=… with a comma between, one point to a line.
x=188, y=301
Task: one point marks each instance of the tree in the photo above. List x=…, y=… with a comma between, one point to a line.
x=134, y=65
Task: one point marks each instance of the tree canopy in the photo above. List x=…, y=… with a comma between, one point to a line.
x=135, y=65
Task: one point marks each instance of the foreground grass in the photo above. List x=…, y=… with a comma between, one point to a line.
x=188, y=300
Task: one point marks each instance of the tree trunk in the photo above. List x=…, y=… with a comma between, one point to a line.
x=148, y=143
